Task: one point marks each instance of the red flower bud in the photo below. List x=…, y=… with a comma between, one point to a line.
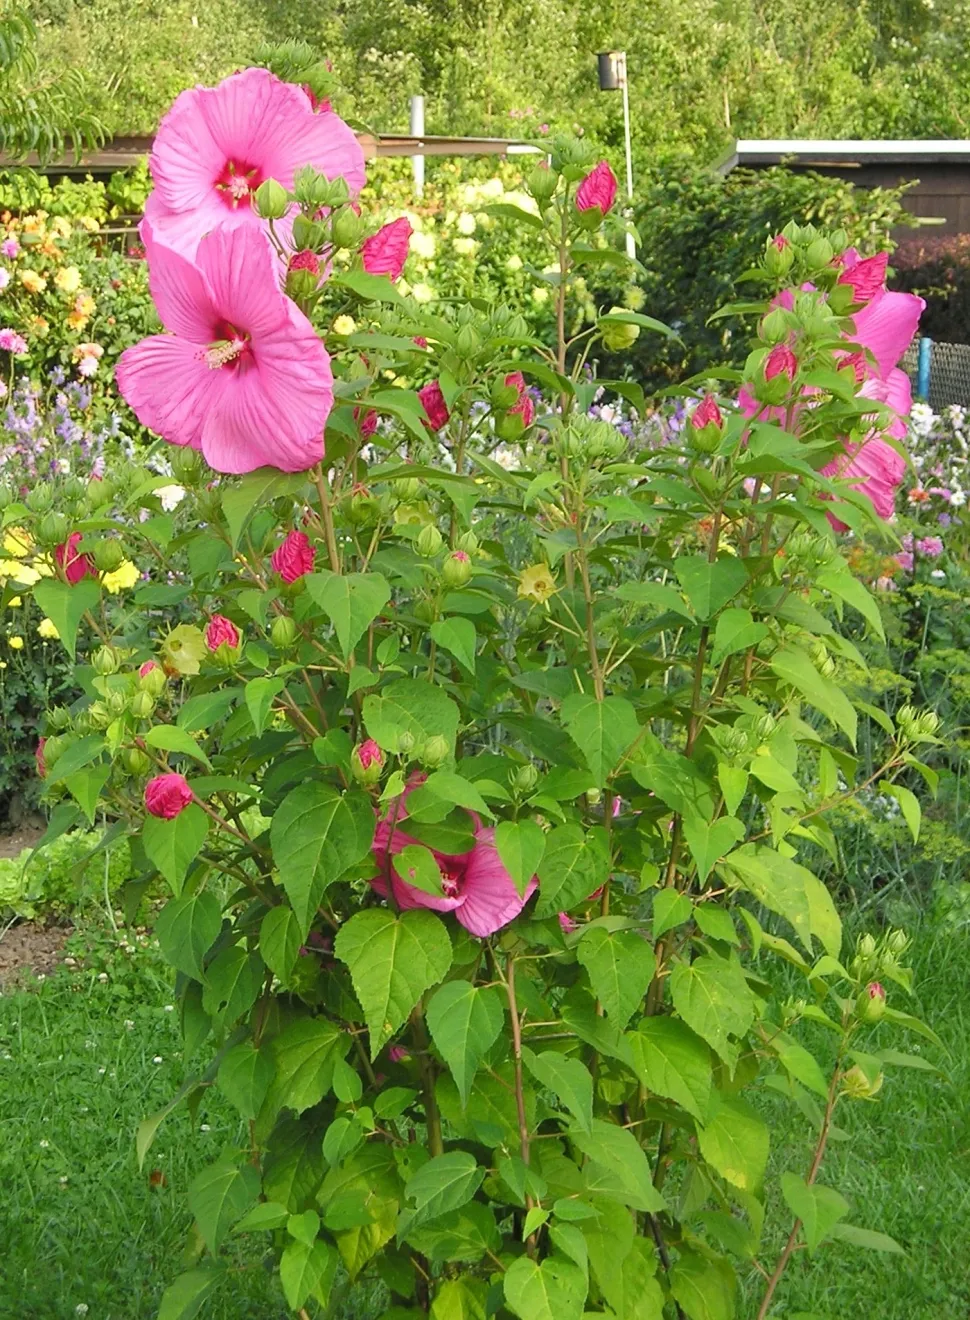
x=707, y=413
x=433, y=403
x=167, y=795
x=72, y=563
x=597, y=189
x=385, y=252
x=221, y=631
x=294, y=557
x=781, y=361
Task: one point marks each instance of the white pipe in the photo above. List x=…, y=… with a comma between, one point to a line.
x=417, y=131
x=631, y=246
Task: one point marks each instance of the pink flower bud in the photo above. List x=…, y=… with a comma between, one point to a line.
x=780, y=242
x=398, y=1053
x=566, y=923
x=305, y=261
x=367, y=762
x=875, y=991
x=433, y=403
x=707, y=413
x=385, y=252
x=866, y=277
x=781, y=361
x=221, y=631
x=167, y=795
x=72, y=563
x=146, y=668
x=420, y=341
x=366, y=419
x=294, y=557
x=597, y=189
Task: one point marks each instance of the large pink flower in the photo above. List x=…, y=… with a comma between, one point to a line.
x=241, y=375
x=475, y=884
x=218, y=144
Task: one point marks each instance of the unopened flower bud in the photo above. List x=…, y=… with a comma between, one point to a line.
x=706, y=425
x=778, y=256
x=407, y=488
x=764, y=726
x=367, y=762
x=284, y=632
x=775, y=326
x=870, y=1004
x=897, y=942
x=405, y=743
x=40, y=497
x=116, y=702
x=819, y=253
x=54, y=747
x=857, y=1086
x=468, y=542
x=106, y=661
x=142, y=705
x=99, y=715
x=594, y=796
x=428, y=541
x=467, y=342
x=434, y=751
x=58, y=718
x=187, y=464
x=271, y=200
x=347, y=228
x=619, y=335
x=136, y=762
x=152, y=679
x=541, y=182
x=866, y=947
x=502, y=395
x=53, y=528
x=108, y=555
x=526, y=778
x=457, y=568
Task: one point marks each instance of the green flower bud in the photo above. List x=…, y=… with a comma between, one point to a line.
x=142, y=705
x=106, y=661
x=857, y=1086
x=819, y=253
x=117, y=703
x=40, y=498
x=74, y=489
x=99, y=715
x=136, y=762
x=99, y=493
x=347, y=229
x=866, y=947
x=108, y=555
x=271, y=200
x=367, y=763
x=457, y=568
x=502, y=395
x=53, y=528
x=897, y=942
x=58, y=718
x=54, y=747
x=594, y=796
x=870, y=1004
x=405, y=743
x=424, y=611
x=284, y=632
x=152, y=680
x=526, y=778
x=428, y=541
x=541, y=183
x=187, y=465
x=621, y=335
x=407, y=488
x=779, y=256
x=467, y=342
x=434, y=751
x=764, y=726
x=308, y=234
x=775, y=326
x=468, y=542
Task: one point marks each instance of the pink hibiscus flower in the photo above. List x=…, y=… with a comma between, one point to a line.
x=218, y=144
x=475, y=885
x=242, y=375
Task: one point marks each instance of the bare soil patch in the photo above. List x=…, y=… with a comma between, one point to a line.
x=30, y=949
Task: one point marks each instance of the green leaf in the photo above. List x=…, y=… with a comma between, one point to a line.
x=372, y=288
x=239, y=499
x=147, y=1129
x=182, y=1300
x=819, y=1208
x=244, y=1077
x=280, y=938
x=796, y=668
x=219, y=1196
x=660, y=595
x=266, y=1215
x=460, y=792
x=908, y=805
x=567, y=1078
x=791, y=890
x=465, y=1022
x=186, y=928
x=316, y=835
x=713, y=998
x=173, y=845
x=735, y=1141
x=439, y=1187
x=351, y=601
x=709, y=843
x=307, y=1269
x=802, y=1065
x=736, y=630
x=866, y=1237
x=670, y=1060
x=508, y=211
x=233, y=981
x=710, y=586
x=620, y=965
x=574, y=865
x=65, y=606
x=170, y=738
x=671, y=908
x=618, y=1151
x=602, y=730
x=848, y=588
x=85, y=788
x=208, y=708
x=416, y=866
x=392, y=961
x=413, y=706
x=460, y=1299
x=78, y=755
x=552, y=1290
x=260, y=695
x=733, y=780
x=704, y=1286
x=465, y=1236
x=520, y=844
x=715, y=922
x=458, y=638
x=304, y=1054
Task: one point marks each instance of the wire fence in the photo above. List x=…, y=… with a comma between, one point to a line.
x=940, y=372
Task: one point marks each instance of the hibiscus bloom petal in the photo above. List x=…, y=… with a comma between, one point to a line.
x=181, y=296
x=169, y=386
x=878, y=471
x=490, y=899
x=886, y=327
x=239, y=270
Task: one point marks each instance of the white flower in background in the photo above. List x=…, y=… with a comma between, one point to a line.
x=466, y=223
x=344, y=325
x=466, y=247
x=958, y=498
x=514, y=262
x=523, y=201
x=938, y=574
x=423, y=245
x=423, y=293
x=922, y=418
x=540, y=295
x=171, y=497
x=492, y=188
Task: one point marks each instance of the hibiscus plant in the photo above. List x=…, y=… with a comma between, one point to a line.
x=483, y=756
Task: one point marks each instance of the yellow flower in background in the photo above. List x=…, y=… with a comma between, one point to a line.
x=46, y=629
x=17, y=541
x=14, y=602
x=514, y=262
x=423, y=293
x=540, y=295
x=537, y=583
x=61, y=226
x=84, y=305
x=466, y=223
x=34, y=224
x=33, y=282
x=423, y=245
x=344, y=325
x=68, y=280
x=40, y=326
x=466, y=247
x=76, y=321
x=89, y=223
x=121, y=578
x=48, y=247
x=15, y=643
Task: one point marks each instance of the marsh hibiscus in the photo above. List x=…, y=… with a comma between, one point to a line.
x=385, y=252
x=475, y=885
x=218, y=144
x=293, y=557
x=241, y=375
x=220, y=631
x=74, y=565
x=597, y=189
x=167, y=795
x=433, y=403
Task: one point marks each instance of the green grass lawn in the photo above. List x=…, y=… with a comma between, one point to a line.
x=82, y=1060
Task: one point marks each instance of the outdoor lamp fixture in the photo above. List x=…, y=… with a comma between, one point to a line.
x=612, y=75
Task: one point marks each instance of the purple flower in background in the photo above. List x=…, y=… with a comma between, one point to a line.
x=10, y=248
x=11, y=342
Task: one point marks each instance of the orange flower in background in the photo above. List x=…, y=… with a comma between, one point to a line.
x=76, y=321
x=33, y=282
x=84, y=304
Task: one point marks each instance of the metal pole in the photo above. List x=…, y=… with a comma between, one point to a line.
x=923, y=364
x=417, y=131
x=631, y=246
